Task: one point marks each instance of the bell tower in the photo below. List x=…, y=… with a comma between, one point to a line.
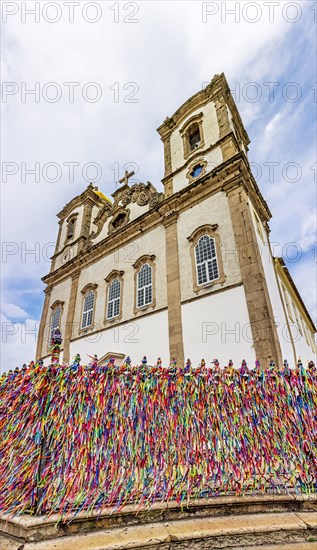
x=202, y=134
x=205, y=157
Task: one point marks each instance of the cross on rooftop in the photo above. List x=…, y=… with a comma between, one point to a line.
x=127, y=176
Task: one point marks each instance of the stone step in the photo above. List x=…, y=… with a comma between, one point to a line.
x=239, y=532
x=6, y=543
x=288, y=546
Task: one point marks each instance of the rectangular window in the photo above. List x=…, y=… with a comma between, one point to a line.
x=213, y=269
x=202, y=274
x=140, y=297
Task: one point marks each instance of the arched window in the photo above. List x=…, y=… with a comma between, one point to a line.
x=114, y=290
x=114, y=293
x=70, y=229
x=55, y=321
x=206, y=260
x=144, y=290
x=88, y=310
x=145, y=285
x=193, y=136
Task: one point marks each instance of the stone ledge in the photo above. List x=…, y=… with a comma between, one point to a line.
x=221, y=532
x=32, y=529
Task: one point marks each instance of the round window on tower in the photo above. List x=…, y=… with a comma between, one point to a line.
x=196, y=171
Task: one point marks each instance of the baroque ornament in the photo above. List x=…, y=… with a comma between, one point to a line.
x=140, y=193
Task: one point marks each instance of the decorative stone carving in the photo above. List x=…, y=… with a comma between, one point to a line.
x=125, y=198
x=100, y=219
x=140, y=193
x=119, y=219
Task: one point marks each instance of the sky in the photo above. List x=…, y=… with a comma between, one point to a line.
x=104, y=76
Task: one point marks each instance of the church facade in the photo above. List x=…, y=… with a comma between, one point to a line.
x=187, y=272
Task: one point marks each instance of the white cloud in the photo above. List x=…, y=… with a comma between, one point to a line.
x=13, y=311
x=18, y=342
x=270, y=131
x=308, y=232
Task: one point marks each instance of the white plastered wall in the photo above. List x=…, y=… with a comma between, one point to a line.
x=213, y=158
x=218, y=326
x=142, y=336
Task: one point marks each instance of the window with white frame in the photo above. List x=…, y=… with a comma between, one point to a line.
x=206, y=260
x=113, y=308
x=55, y=320
x=144, y=290
x=88, y=309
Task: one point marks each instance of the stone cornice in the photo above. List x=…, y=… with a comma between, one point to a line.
x=230, y=174
x=57, y=303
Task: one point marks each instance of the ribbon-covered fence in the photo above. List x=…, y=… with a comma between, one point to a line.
x=86, y=438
